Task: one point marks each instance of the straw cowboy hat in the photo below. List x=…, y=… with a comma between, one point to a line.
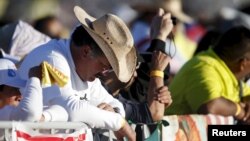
x=114, y=38
x=172, y=6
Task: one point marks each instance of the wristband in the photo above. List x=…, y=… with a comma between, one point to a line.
x=238, y=109
x=157, y=73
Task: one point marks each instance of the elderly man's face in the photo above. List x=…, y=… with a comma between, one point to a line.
x=100, y=65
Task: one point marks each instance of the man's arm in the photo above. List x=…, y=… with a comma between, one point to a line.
x=161, y=27
x=99, y=95
x=98, y=118
x=246, y=108
x=156, y=86
x=222, y=106
x=54, y=113
x=31, y=105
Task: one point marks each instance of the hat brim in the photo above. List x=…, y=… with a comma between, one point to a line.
x=14, y=80
x=121, y=66
x=17, y=83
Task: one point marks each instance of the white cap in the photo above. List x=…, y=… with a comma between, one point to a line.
x=9, y=75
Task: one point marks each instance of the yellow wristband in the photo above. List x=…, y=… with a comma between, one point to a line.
x=157, y=73
x=238, y=109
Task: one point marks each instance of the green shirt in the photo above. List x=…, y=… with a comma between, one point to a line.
x=203, y=78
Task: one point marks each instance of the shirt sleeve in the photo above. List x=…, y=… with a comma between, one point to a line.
x=204, y=87
x=99, y=95
x=157, y=44
x=55, y=113
x=31, y=106
x=81, y=110
x=136, y=112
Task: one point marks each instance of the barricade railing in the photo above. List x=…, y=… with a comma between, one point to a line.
x=11, y=130
x=177, y=125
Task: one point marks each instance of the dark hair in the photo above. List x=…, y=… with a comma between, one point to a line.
x=81, y=37
x=233, y=44
x=1, y=87
x=209, y=39
x=42, y=25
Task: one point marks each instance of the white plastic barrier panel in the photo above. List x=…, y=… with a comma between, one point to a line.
x=47, y=131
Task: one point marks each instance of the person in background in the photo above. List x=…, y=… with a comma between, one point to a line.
x=18, y=38
x=95, y=46
x=185, y=34
x=14, y=105
x=22, y=100
x=211, y=82
x=50, y=26
x=207, y=40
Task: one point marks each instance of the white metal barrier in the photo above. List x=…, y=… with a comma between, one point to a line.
x=9, y=129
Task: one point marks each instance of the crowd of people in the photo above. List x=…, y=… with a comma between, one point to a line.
x=139, y=72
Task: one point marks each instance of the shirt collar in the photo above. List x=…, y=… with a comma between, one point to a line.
x=221, y=62
x=77, y=82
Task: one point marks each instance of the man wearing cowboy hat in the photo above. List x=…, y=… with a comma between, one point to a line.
x=96, y=46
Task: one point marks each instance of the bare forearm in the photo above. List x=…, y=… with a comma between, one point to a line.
x=156, y=108
x=156, y=85
x=222, y=106
x=161, y=27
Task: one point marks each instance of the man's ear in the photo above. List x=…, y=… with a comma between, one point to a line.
x=86, y=51
x=18, y=97
x=243, y=64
